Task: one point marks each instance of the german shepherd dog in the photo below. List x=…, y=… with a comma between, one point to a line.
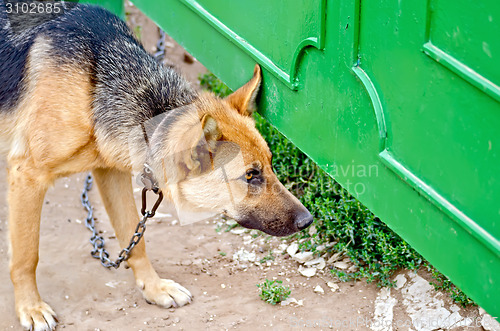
x=74, y=90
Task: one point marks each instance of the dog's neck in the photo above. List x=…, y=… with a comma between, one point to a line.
x=127, y=103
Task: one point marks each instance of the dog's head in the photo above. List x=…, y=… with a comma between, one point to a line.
x=210, y=157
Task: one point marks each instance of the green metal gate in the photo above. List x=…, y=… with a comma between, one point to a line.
x=398, y=100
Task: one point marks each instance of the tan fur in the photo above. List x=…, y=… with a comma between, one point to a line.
x=45, y=118
x=243, y=99
x=54, y=136
x=54, y=127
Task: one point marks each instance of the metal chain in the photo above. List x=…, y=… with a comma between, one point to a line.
x=97, y=241
x=160, y=47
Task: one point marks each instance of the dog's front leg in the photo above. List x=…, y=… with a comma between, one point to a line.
x=115, y=187
x=26, y=193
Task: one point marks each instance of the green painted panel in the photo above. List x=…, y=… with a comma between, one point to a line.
x=455, y=134
x=277, y=41
x=388, y=87
x=464, y=29
x=116, y=6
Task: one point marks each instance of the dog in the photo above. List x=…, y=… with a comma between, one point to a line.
x=79, y=93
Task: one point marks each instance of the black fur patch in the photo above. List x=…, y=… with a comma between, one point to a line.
x=19, y=27
x=129, y=86
x=12, y=63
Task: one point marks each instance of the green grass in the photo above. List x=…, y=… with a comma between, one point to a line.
x=273, y=292
x=212, y=83
x=374, y=248
x=268, y=257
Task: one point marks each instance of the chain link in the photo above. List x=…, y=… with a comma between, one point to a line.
x=160, y=47
x=97, y=241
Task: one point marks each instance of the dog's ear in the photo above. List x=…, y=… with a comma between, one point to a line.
x=210, y=128
x=201, y=153
x=243, y=99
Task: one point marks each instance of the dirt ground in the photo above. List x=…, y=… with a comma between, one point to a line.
x=211, y=264
x=87, y=296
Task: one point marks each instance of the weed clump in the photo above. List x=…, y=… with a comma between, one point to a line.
x=273, y=292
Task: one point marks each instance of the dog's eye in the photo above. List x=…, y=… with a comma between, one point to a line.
x=251, y=174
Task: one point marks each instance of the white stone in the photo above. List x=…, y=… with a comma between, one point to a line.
x=489, y=323
x=319, y=289
x=318, y=263
x=243, y=255
x=307, y=272
x=383, y=314
x=466, y=322
x=114, y=283
x=281, y=248
x=400, y=281
x=334, y=257
x=238, y=231
x=303, y=257
x=423, y=305
x=292, y=249
x=231, y=222
x=291, y=301
x=452, y=321
x=320, y=248
x=341, y=265
x=333, y=287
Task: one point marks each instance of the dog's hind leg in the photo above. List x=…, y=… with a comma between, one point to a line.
x=27, y=189
x=115, y=187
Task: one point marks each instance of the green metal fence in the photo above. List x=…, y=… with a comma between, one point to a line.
x=398, y=100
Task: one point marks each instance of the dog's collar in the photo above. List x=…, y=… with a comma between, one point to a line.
x=148, y=179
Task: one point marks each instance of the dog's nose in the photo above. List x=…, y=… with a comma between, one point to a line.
x=304, y=220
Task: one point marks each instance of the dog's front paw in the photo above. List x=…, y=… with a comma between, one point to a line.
x=165, y=293
x=37, y=317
